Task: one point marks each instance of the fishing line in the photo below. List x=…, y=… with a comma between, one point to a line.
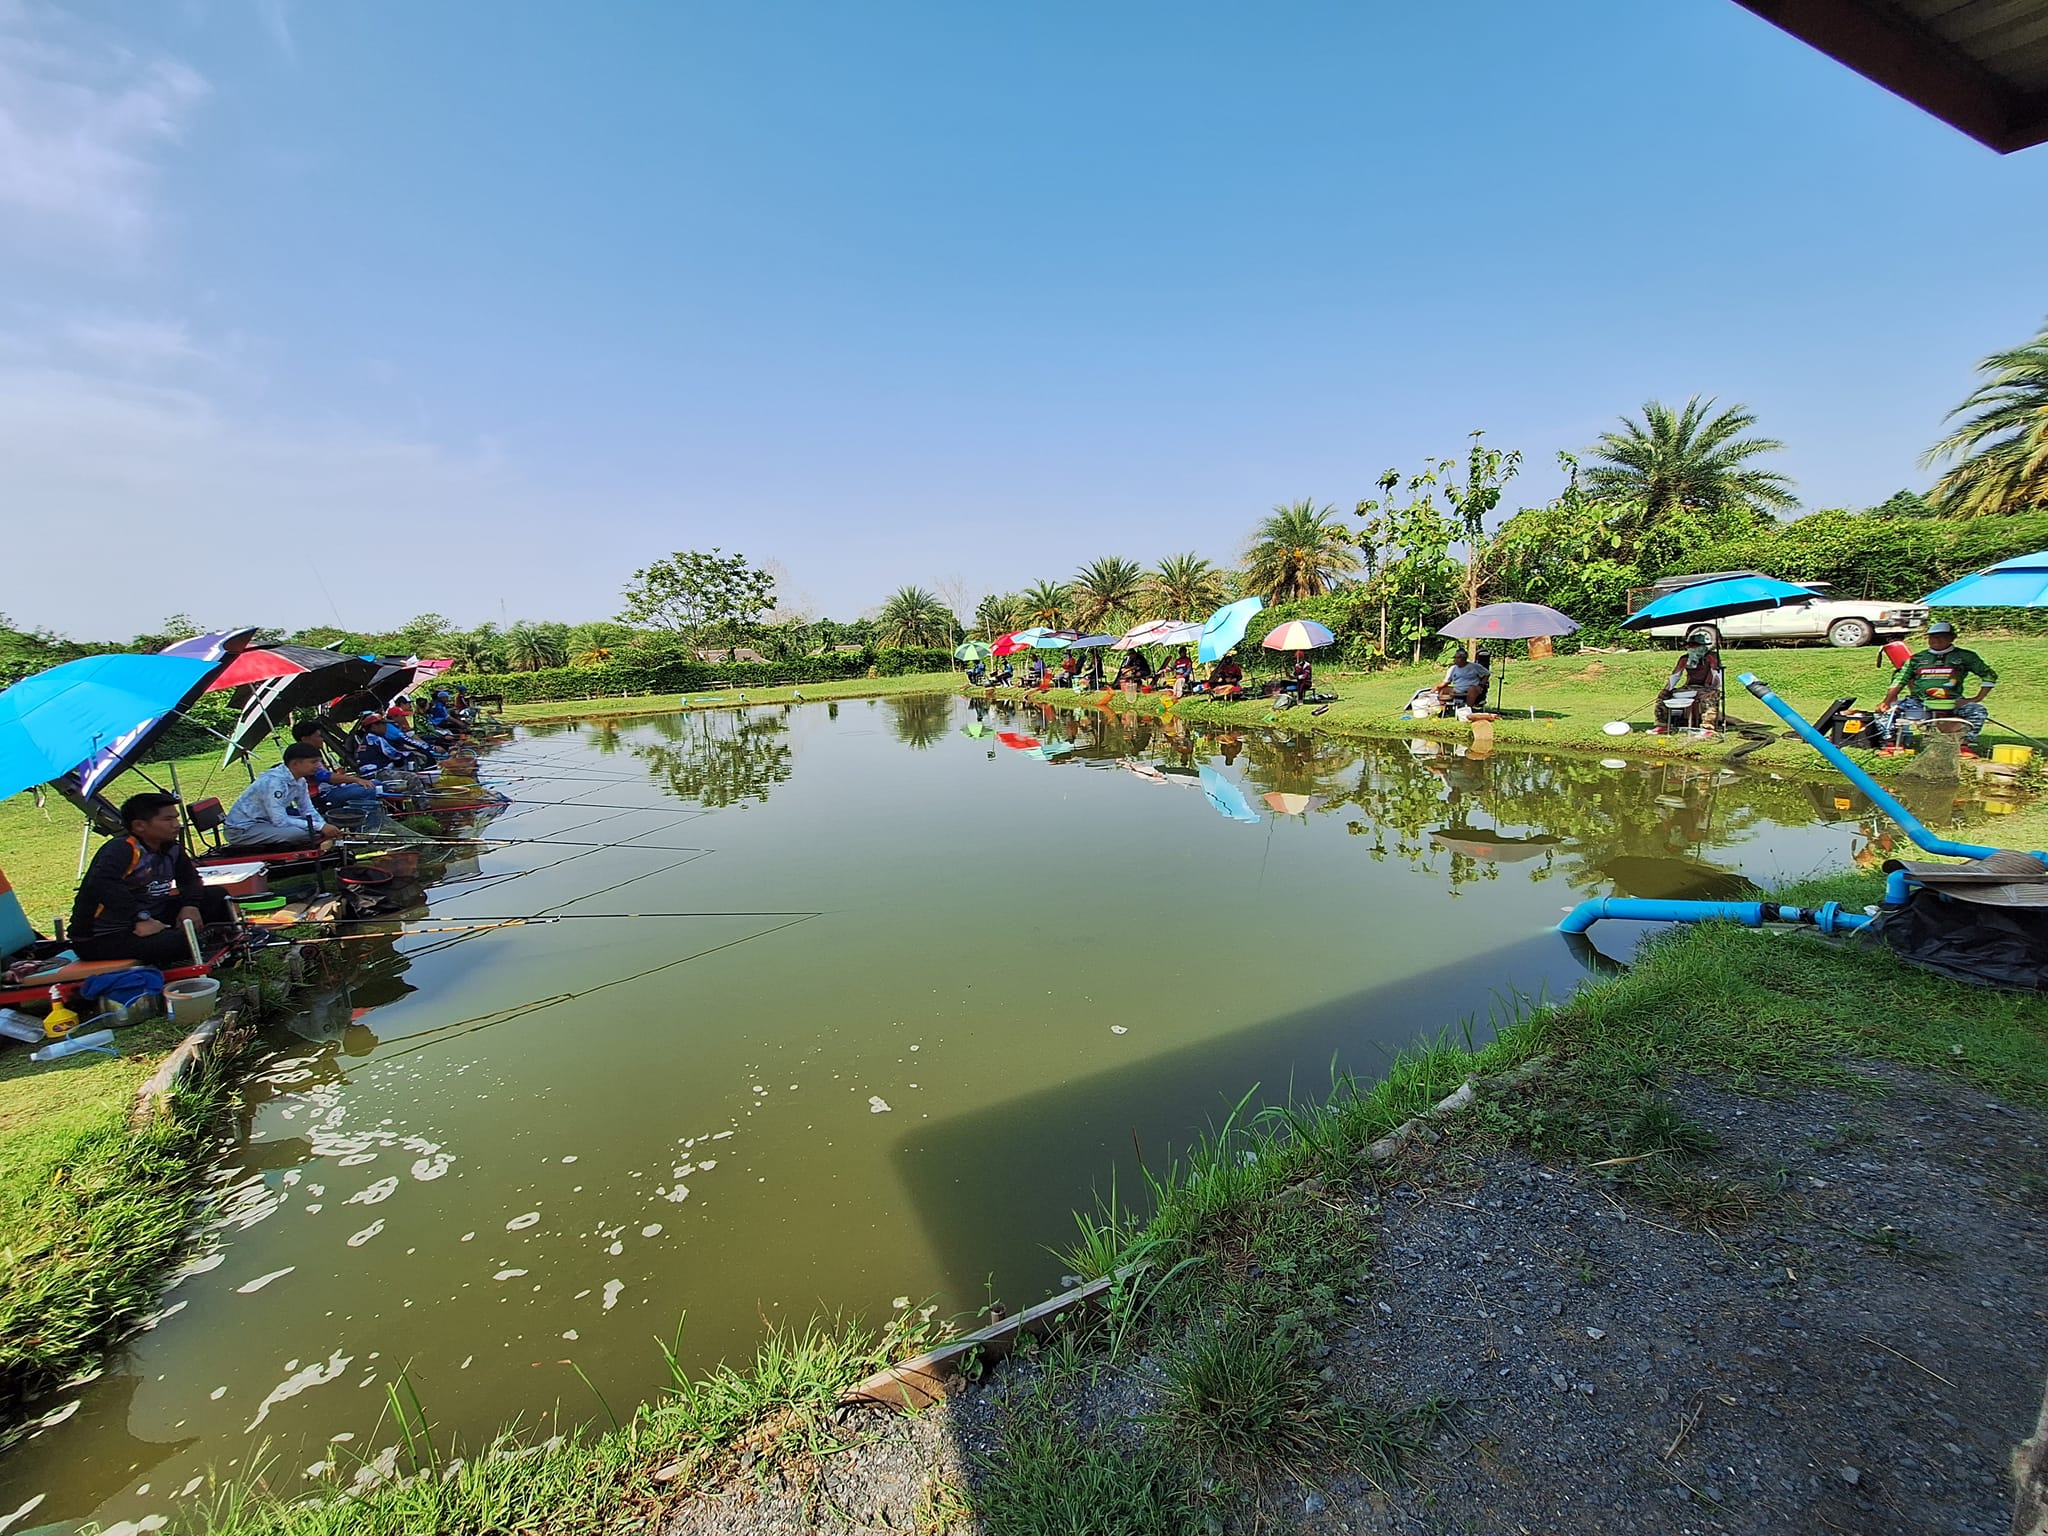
x=530, y=842
x=504, y=1015
x=491, y=924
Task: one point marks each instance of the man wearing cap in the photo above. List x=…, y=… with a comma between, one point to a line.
x=1933, y=680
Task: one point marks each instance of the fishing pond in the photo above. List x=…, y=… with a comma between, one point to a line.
x=842, y=1004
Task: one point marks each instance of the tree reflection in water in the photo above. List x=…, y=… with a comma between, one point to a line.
x=719, y=758
x=919, y=720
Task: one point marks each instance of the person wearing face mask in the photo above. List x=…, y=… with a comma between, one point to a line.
x=1691, y=697
x=1929, y=686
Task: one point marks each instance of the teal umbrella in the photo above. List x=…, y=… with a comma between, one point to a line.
x=1224, y=628
x=1223, y=793
x=2021, y=582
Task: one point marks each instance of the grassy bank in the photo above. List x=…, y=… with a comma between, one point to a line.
x=1565, y=701
x=672, y=703
x=92, y=1209
x=1246, y=1263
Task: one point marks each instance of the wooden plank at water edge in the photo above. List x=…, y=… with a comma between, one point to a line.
x=924, y=1379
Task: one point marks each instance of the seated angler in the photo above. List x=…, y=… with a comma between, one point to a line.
x=276, y=811
x=141, y=889
x=1932, y=681
x=331, y=784
x=1226, y=679
x=1465, y=684
x=1691, y=697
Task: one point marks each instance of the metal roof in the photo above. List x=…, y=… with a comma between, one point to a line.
x=1978, y=65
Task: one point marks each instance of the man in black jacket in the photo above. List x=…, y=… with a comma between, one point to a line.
x=141, y=889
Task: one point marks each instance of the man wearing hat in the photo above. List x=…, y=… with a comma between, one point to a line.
x=1933, y=680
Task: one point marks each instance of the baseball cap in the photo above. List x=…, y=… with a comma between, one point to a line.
x=1941, y=627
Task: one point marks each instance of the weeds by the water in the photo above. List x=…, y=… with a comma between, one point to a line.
x=1052, y=1478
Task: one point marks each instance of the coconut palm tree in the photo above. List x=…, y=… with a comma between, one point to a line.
x=2001, y=451
x=998, y=614
x=1185, y=587
x=1688, y=461
x=1299, y=551
x=477, y=650
x=1107, y=591
x=915, y=617
x=1047, y=602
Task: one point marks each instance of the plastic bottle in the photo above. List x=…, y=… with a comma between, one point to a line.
x=99, y=1039
x=25, y=1027
x=60, y=1020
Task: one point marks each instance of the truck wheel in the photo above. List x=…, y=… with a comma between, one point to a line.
x=1850, y=632
x=1704, y=634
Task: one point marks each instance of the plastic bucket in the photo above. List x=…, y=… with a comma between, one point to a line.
x=191, y=1002
x=2012, y=754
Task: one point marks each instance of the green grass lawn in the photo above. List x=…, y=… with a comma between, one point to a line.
x=670, y=703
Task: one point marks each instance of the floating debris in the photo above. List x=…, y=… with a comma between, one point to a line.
x=652, y=1229
x=375, y=1193
x=367, y=1233
x=508, y=1274
x=521, y=1223
x=262, y=1280
x=611, y=1293
x=317, y=1374
x=877, y=1105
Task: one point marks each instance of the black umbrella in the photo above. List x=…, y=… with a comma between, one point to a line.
x=322, y=677
x=393, y=678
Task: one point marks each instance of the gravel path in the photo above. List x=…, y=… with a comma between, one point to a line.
x=1861, y=1356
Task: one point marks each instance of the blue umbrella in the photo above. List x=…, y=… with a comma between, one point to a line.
x=1224, y=628
x=2021, y=582
x=52, y=722
x=1223, y=793
x=1718, y=600
x=107, y=764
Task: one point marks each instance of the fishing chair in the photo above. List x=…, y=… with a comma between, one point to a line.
x=208, y=819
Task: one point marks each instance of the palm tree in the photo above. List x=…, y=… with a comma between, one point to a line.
x=1108, y=590
x=529, y=647
x=2001, y=452
x=477, y=650
x=998, y=614
x=915, y=617
x=1300, y=551
x=1689, y=461
x=1185, y=587
x=1047, y=603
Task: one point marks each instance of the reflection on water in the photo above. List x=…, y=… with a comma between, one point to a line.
x=718, y=759
x=1046, y=939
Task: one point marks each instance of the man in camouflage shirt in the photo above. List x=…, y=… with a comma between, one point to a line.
x=1933, y=680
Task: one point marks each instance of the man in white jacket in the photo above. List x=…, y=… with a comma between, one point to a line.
x=277, y=810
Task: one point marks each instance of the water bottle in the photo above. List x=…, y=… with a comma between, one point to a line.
x=71, y=1045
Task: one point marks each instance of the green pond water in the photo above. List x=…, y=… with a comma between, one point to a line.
x=935, y=988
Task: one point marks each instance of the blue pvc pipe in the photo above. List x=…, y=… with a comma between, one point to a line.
x=1828, y=918
x=1879, y=795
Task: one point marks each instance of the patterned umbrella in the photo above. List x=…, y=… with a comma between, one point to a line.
x=1298, y=635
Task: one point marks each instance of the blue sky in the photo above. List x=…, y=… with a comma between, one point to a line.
x=365, y=309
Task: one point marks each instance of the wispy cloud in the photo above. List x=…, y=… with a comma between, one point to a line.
x=277, y=21
x=135, y=460
x=81, y=122
x=134, y=345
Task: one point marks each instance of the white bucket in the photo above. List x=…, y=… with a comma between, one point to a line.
x=191, y=1002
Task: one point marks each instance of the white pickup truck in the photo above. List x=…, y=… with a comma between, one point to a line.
x=1845, y=621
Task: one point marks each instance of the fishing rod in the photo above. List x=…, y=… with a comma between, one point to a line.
x=506, y=1015
x=516, y=842
x=492, y=924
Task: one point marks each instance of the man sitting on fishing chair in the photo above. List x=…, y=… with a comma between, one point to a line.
x=1691, y=699
x=276, y=812
x=1465, y=684
x=140, y=890
x=1933, y=680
